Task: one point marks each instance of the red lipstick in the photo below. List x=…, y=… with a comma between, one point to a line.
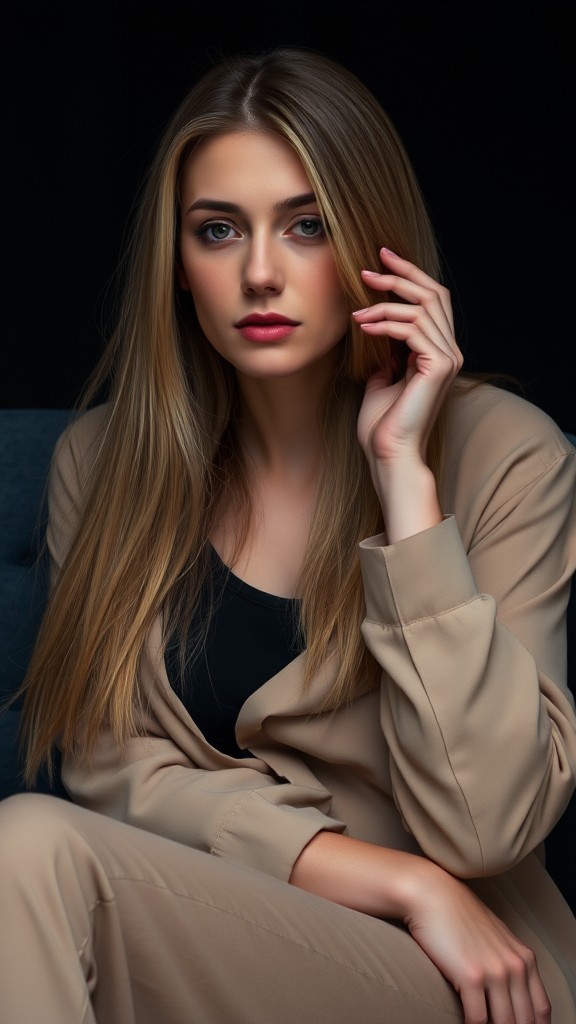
x=265, y=327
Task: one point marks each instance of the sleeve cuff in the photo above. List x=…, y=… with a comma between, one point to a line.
x=420, y=576
x=278, y=835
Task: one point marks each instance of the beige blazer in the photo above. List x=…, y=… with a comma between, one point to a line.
x=467, y=752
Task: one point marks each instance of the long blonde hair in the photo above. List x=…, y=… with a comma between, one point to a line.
x=169, y=449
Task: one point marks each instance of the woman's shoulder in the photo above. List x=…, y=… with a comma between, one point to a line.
x=496, y=438
x=85, y=428
x=495, y=421
x=79, y=443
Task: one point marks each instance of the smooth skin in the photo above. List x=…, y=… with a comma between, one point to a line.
x=252, y=240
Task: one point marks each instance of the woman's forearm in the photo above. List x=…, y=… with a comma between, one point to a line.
x=408, y=498
x=372, y=879
x=494, y=973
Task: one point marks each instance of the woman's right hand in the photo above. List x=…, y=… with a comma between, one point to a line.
x=494, y=973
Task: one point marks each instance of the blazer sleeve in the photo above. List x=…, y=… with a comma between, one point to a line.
x=177, y=787
x=468, y=621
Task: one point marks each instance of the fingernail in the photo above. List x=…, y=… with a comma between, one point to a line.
x=371, y=273
x=389, y=251
x=358, y=312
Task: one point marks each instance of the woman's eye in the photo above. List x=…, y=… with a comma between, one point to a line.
x=309, y=227
x=217, y=231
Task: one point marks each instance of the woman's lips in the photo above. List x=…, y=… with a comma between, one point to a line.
x=266, y=327
x=266, y=332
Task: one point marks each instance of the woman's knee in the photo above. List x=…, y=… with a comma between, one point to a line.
x=32, y=825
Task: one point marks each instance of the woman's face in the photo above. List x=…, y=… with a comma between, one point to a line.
x=255, y=256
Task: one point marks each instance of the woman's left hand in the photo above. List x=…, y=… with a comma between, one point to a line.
x=396, y=417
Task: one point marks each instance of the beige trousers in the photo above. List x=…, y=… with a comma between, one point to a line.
x=101, y=921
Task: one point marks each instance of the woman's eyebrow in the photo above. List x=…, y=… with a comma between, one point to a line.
x=205, y=203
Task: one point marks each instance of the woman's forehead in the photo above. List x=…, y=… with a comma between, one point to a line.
x=244, y=163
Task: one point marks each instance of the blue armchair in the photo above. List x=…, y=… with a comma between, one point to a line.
x=27, y=439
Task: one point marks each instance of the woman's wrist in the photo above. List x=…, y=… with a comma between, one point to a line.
x=421, y=881
x=408, y=497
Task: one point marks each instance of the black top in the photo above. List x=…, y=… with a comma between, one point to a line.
x=251, y=636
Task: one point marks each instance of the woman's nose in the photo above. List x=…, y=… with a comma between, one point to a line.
x=262, y=271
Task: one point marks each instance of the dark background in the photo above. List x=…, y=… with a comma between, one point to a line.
x=481, y=94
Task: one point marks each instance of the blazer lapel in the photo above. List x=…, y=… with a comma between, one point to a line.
x=284, y=696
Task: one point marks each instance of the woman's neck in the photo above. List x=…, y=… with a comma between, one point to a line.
x=279, y=423
x=278, y=426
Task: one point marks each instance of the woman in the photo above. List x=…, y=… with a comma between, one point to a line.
x=305, y=647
